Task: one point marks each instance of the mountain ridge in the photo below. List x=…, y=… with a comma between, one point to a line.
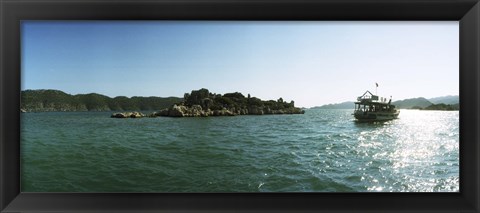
x=44, y=100
x=197, y=103
x=410, y=103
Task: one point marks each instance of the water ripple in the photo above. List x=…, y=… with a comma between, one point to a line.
x=322, y=150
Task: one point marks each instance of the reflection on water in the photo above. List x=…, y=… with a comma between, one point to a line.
x=322, y=150
x=418, y=147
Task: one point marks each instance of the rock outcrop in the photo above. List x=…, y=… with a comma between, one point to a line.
x=128, y=115
x=202, y=103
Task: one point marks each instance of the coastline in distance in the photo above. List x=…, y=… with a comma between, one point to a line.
x=195, y=104
x=438, y=103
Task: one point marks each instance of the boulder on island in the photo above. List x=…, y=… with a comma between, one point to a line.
x=183, y=111
x=128, y=115
x=177, y=111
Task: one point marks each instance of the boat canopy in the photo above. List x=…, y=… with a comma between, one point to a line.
x=368, y=97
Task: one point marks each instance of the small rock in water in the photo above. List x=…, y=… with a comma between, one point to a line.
x=128, y=115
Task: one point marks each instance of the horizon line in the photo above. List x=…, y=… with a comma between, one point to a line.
x=340, y=102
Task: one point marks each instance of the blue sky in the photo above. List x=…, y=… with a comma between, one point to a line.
x=312, y=63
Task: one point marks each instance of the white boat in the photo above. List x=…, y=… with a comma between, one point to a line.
x=371, y=107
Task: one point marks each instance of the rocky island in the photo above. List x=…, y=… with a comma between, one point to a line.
x=202, y=103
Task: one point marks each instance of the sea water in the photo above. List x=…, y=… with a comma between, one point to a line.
x=319, y=151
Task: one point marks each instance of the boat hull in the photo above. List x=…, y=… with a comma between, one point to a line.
x=376, y=116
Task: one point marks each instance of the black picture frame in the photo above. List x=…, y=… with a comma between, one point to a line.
x=467, y=12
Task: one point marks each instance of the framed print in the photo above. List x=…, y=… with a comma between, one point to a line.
x=239, y=106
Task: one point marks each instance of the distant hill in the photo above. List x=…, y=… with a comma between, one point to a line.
x=343, y=105
x=56, y=100
x=448, y=107
x=412, y=103
x=403, y=104
x=450, y=99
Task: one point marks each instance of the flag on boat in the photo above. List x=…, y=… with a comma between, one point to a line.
x=376, y=84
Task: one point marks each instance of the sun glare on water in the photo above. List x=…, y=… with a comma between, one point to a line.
x=420, y=143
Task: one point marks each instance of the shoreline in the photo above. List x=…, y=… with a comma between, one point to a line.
x=197, y=111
